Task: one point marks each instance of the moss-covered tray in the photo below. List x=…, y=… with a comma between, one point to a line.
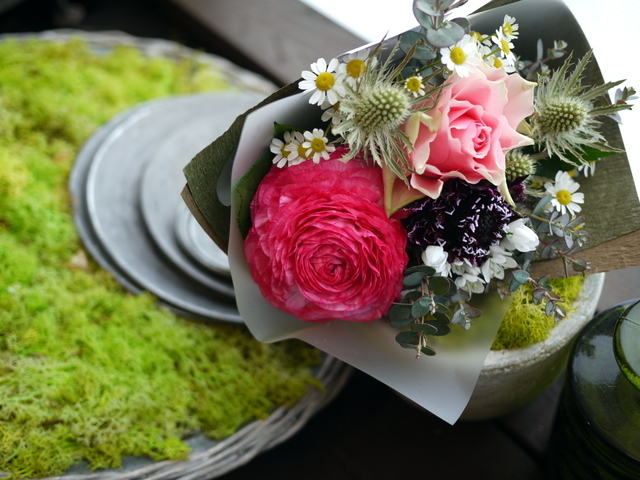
x=92, y=377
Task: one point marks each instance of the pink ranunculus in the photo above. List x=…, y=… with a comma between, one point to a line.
x=468, y=132
x=321, y=246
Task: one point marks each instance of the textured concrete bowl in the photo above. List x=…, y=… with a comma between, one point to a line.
x=512, y=378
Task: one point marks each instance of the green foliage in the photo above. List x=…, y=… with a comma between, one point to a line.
x=88, y=371
x=526, y=321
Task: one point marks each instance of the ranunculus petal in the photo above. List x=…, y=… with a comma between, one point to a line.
x=321, y=246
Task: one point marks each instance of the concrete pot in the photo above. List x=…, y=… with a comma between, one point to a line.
x=512, y=378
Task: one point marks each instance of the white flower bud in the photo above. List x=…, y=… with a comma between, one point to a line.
x=435, y=257
x=520, y=237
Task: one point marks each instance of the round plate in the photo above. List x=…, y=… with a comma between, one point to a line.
x=195, y=242
x=113, y=199
x=162, y=181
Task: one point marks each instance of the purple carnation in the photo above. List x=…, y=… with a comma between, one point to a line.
x=465, y=220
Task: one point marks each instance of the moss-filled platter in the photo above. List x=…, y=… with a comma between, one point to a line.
x=96, y=382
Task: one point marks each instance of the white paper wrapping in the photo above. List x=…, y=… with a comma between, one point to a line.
x=442, y=384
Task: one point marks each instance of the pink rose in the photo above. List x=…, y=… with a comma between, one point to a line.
x=468, y=132
x=321, y=246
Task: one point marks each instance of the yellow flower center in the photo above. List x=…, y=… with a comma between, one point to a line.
x=477, y=36
x=285, y=153
x=355, y=68
x=414, y=84
x=497, y=62
x=302, y=152
x=564, y=197
x=507, y=28
x=504, y=46
x=318, y=145
x=325, y=81
x=458, y=56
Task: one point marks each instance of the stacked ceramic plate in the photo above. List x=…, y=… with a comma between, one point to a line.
x=126, y=186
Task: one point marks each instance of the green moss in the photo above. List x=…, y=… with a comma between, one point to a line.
x=526, y=323
x=88, y=371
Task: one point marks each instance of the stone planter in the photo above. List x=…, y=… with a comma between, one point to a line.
x=512, y=378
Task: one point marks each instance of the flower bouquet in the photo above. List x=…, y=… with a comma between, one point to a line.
x=384, y=207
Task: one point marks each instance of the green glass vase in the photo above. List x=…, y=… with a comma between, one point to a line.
x=597, y=429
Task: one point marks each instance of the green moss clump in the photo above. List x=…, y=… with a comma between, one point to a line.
x=525, y=322
x=88, y=371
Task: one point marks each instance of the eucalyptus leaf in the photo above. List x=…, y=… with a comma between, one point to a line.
x=580, y=265
x=418, y=310
x=399, y=312
x=402, y=323
x=441, y=328
x=441, y=317
x=409, y=39
x=521, y=276
x=549, y=308
x=464, y=23
x=426, y=328
x=426, y=7
x=424, y=19
x=568, y=239
x=427, y=350
x=544, y=201
x=440, y=285
x=408, y=339
x=412, y=295
x=445, y=36
x=428, y=271
x=413, y=279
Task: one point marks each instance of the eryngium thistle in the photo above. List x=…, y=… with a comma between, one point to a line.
x=374, y=109
x=518, y=164
x=566, y=121
x=465, y=220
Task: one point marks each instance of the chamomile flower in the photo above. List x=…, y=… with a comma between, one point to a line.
x=509, y=28
x=355, y=65
x=415, y=86
x=317, y=146
x=462, y=58
x=373, y=113
x=297, y=154
x=505, y=46
x=279, y=147
x=331, y=112
x=563, y=190
x=324, y=81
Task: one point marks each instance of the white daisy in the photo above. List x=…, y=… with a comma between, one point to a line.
x=415, y=86
x=279, y=147
x=323, y=81
x=505, y=46
x=331, y=112
x=317, y=146
x=563, y=190
x=462, y=58
x=297, y=154
x=509, y=27
x=355, y=65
